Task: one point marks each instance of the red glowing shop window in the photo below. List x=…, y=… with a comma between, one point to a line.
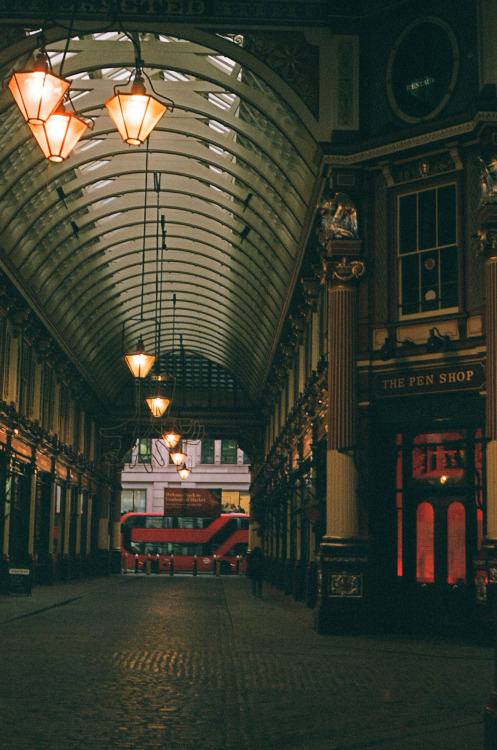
x=456, y=543
x=425, y=543
x=400, y=569
x=438, y=457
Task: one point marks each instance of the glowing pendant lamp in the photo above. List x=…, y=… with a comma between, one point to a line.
x=59, y=134
x=135, y=114
x=178, y=456
x=139, y=362
x=171, y=438
x=38, y=92
x=158, y=405
x=184, y=471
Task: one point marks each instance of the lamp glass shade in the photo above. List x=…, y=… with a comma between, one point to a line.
x=37, y=94
x=184, y=471
x=59, y=134
x=158, y=405
x=135, y=115
x=171, y=439
x=139, y=362
x=178, y=457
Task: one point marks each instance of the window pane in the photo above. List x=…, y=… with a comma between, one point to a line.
x=207, y=456
x=425, y=546
x=407, y=224
x=228, y=452
x=429, y=281
x=447, y=215
x=133, y=501
x=145, y=450
x=456, y=543
x=449, y=277
x=410, y=284
x=427, y=219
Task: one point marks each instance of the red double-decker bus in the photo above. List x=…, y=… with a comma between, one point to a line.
x=187, y=538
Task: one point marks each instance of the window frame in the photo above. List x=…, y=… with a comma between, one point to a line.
x=417, y=187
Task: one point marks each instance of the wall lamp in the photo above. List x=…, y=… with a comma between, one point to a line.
x=393, y=348
x=437, y=341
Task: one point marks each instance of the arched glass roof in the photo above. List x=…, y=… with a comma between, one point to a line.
x=211, y=210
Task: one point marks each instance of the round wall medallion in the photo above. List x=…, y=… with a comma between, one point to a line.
x=422, y=69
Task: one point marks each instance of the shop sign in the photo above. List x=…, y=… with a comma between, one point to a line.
x=43, y=462
x=192, y=502
x=20, y=581
x=464, y=377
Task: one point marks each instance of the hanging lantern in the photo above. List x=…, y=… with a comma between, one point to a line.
x=38, y=92
x=171, y=438
x=184, y=471
x=158, y=405
x=59, y=134
x=135, y=114
x=139, y=362
x=178, y=457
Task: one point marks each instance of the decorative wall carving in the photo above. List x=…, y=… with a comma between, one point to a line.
x=292, y=58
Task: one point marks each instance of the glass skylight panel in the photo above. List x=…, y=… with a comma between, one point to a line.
x=223, y=101
x=104, y=201
x=98, y=185
x=57, y=57
x=219, y=127
x=105, y=219
x=91, y=166
x=218, y=150
x=116, y=74
x=105, y=36
x=74, y=97
x=174, y=76
x=86, y=145
x=222, y=62
x=83, y=76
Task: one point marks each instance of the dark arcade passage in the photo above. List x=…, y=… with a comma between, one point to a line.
x=184, y=663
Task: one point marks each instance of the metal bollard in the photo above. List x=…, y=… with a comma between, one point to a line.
x=148, y=565
x=171, y=567
x=218, y=566
x=195, y=563
x=238, y=565
x=157, y=563
x=214, y=564
x=136, y=563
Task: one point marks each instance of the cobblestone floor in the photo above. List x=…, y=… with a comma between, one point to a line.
x=183, y=663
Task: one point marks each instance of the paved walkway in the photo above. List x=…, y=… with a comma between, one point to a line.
x=183, y=663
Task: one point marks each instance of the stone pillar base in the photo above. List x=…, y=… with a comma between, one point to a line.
x=490, y=722
x=343, y=604
x=115, y=561
x=485, y=567
x=102, y=562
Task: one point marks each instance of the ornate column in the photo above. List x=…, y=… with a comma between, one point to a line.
x=342, y=557
x=487, y=236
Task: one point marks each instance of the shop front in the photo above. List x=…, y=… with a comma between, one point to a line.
x=428, y=510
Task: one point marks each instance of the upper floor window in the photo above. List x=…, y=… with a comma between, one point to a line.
x=428, y=251
x=133, y=501
x=207, y=455
x=228, y=452
x=145, y=451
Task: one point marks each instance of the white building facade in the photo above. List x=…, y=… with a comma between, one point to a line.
x=214, y=465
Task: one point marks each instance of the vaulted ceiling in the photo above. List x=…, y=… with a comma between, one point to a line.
x=215, y=209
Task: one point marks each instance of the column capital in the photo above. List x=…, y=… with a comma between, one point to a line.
x=486, y=240
x=342, y=270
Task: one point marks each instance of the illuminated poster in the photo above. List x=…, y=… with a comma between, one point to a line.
x=192, y=501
